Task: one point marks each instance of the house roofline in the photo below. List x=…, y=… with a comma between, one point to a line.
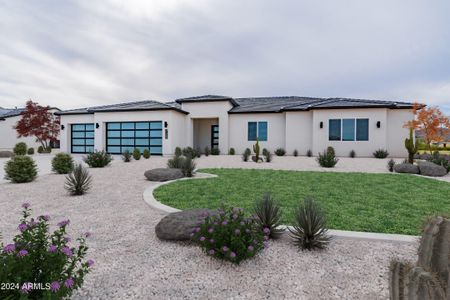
x=91, y=112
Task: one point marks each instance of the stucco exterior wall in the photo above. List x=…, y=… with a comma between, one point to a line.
x=202, y=133
x=67, y=120
x=276, y=124
x=397, y=133
x=299, y=132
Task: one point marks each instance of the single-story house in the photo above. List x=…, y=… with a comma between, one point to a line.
x=8, y=135
x=292, y=123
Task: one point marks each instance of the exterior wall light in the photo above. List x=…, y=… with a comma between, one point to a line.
x=378, y=124
x=62, y=127
x=97, y=125
x=321, y=125
x=165, y=124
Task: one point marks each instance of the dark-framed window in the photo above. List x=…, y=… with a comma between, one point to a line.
x=334, y=133
x=121, y=136
x=82, y=138
x=214, y=136
x=257, y=130
x=348, y=130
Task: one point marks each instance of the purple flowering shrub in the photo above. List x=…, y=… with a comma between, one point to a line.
x=229, y=235
x=40, y=264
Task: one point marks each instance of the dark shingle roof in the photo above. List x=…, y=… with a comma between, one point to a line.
x=207, y=98
x=128, y=106
x=10, y=112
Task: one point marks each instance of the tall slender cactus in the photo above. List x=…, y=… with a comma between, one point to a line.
x=411, y=146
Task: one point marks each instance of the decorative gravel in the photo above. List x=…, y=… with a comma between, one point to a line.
x=131, y=263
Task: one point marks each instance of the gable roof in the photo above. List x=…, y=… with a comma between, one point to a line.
x=207, y=98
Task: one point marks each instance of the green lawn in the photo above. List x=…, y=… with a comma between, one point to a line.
x=389, y=203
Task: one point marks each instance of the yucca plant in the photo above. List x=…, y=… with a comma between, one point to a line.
x=268, y=156
x=126, y=156
x=79, y=181
x=309, y=230
x=188, y=166
x=268, y=215
x=246, y=154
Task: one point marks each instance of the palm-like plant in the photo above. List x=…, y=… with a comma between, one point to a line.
x=268, y=214
x=309, y=231
x=79, y=181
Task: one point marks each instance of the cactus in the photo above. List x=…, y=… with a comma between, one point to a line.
x=429, y=279
x=256, y=150
x=411, y=146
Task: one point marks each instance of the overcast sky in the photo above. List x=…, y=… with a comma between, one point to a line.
x=83, y=53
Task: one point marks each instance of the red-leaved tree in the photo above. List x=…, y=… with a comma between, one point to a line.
x=39, y=122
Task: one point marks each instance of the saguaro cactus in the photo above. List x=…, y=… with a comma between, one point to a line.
x=256, y=149
x=411, y=146
x=429, y=279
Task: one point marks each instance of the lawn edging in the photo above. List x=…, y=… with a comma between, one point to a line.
x=150, y=199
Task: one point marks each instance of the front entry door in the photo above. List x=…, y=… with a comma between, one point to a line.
x=215, y=137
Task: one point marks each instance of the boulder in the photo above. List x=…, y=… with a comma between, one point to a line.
x=431, y=169
x=259, y=159
x=6, y=154
x=179, y=226
x=406, y=168
x=163, y=174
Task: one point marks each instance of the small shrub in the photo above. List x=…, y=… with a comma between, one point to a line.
x=39, y=256
x=175, y=162
x=295, y=153
x=264, y=151
x=207, y=151
x=268, y=156
x=146, y=154
x=440, y=159
x=20, y=169
x=20, y=148
x=268, y=215
x=79, y=181
x=280, y=152
x=327, y=159
x=136, y=154
x=188, y=166
x=390, y=165
x=30, y=151
x=381, y=153
x=98, y=159
x=231, y=151
x=40, y=150
x=352, y=154
x=309, y=230
x=62, y=163
x=215, y=151
x=228, y=235
x=126, y=156
x=178, y=151
x=330, y=151
x=309, y=153
x=191, y=152
x=256, y=149
x=246, y=154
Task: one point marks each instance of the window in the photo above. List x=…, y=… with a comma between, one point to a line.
x=348, y=130
x=257, y=130
x=82, y=136
x=121, y=136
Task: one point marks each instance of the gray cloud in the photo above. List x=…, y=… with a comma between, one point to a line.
x=83, y=53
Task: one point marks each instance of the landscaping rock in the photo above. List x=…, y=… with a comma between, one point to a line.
x=163, y=174
x=6, y=154
x=254, y=158
x=431, y=169
x=179, y=226
x=406, y=168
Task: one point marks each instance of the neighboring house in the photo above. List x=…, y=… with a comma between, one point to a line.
x=445, y=142
x=8, y=135
x=291, y=123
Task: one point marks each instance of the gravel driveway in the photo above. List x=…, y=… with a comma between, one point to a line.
x=131, y=263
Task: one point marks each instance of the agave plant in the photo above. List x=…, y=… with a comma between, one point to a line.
x=268, y=215
x=309, y=231
x=79, y=181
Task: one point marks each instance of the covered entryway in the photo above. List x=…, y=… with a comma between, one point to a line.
x=206, y=133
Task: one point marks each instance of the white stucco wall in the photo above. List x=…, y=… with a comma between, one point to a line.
x=202, y=133
x=299, y=132
x=397, y=132
x=67, y=120
x=276, y=124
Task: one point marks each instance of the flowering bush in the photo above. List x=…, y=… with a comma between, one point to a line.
x=40, y=264
x=230, y=236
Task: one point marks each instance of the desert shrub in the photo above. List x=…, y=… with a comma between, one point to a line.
x=440, y=159
x=136, y=154
x=188, y=166
x=178, y=151
x=191, y=152
x=78, y=182
x=264, y=151
x=268, y=215
x=20, y=168
x=330, y=151
x=390, y=165
x=40, y=149
x=267, y=155
x=215, y=151
x=207, y=151
x=20, y=149
x=30, y=151
x=231, y=151
x=280, y=152
x=295, y=153
x=146, y=154
x=98, y=159
x=175, y=162
x=309, y=230
x=62, y=163
x=352, y=154
x=381, y=153
x=327, y=159
x=126, y=156
x=6, y=154
x=309, y=153
x=228, y=235
x=246, y=154
x=39, y=256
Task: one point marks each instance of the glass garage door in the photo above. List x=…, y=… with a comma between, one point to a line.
x=82, y=136
x=121, y=136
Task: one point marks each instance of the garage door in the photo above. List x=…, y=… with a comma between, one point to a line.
x=82, y=136
x=121, y=136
